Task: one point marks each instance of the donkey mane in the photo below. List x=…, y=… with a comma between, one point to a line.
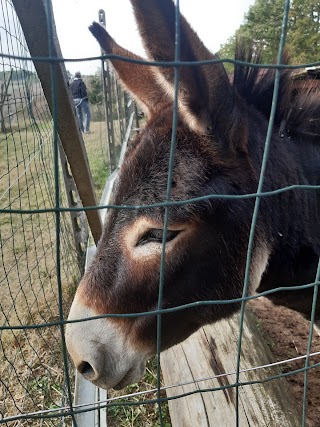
x=298, y=111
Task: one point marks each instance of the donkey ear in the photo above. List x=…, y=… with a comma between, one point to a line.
x=207, y=99
x=137, y=79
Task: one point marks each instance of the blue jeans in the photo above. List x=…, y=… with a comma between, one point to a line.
x=82, y=109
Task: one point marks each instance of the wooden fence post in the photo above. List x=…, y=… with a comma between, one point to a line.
x=107, y=92
x=33, y=18
x=212, y=352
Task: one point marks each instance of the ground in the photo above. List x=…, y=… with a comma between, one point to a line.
x=287, y=333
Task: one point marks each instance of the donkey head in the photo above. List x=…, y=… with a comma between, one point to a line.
x=205, y=242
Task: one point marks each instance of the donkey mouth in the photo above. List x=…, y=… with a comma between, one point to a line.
x=133, y=375
x=126, y=380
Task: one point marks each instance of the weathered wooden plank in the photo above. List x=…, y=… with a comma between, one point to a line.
x=33, y=17
x=212, y=351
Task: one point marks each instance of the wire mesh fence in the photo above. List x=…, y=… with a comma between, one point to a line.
x=32, y=375
x=39, y=264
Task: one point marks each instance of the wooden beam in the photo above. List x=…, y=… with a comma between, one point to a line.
x=212, y=351
x=33, y=18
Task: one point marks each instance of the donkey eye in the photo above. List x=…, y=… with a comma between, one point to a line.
x=156, y=235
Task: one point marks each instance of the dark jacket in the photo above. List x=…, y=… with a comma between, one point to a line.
x=78, y=89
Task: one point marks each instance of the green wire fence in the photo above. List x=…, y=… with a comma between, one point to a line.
x=40, y=264
x=31, y=374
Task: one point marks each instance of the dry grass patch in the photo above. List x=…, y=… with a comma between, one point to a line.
x=32, y=376
x=144, y=414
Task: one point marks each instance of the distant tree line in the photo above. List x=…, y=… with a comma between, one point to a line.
x=18, y=75
x=262, y=25
x=95, y=88
x=96, y=96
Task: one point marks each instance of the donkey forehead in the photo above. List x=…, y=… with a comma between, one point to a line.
x=145, y=171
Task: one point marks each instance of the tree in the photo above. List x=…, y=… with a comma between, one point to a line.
x=95, y=88
x=227, y=51
x=304, y=33
x=262, y=25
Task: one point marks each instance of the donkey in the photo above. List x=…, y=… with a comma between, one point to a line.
x=220, y=138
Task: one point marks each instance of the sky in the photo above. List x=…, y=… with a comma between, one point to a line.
x=214, y=21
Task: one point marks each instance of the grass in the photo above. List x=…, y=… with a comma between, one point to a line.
x=32, y=376
x=142, y=415
x=96, y=147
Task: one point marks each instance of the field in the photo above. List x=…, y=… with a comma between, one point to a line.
x=31, y=372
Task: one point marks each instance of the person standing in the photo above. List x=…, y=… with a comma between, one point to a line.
x=81, y=102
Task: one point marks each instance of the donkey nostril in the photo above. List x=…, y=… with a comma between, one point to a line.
x=86, y=370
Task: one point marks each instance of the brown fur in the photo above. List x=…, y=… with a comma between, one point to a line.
x=220, y=139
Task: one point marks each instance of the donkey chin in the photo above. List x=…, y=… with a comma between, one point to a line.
x=106, y=359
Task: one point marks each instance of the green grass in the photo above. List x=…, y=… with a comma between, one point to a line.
x=96, y=147
x=31, y=370
x=142, y=415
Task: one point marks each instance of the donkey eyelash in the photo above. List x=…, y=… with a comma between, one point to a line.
x=156, y=235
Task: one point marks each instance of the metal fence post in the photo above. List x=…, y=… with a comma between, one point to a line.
x=119, y=109
x=128, y=106
x=107, y=90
